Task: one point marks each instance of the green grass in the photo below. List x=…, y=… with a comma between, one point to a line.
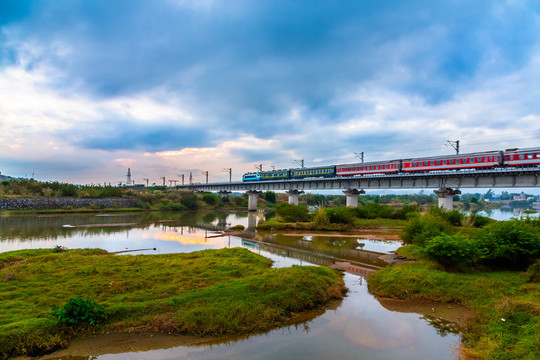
x=492, y=296
x=211, y=292
x=380, y=224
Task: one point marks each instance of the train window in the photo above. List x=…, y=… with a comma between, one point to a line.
x=529, y=156
x=521, y=157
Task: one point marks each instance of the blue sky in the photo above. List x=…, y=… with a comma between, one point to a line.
x=90, y=88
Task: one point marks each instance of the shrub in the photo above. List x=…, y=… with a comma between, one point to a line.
x=532, y=274
x=211, y=199
x=189, y=200
x=292, y=213
x=341, y=215
x=321, y=217
x=80, y=311
x=452, y=250
x=453, y=217
x=270, y=197
x=514, y=243
x=422, y=228
x=68, y=190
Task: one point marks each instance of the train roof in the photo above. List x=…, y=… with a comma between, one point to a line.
x=371, y=163
x=484, y=153
x=515, y=150
x=314, y=167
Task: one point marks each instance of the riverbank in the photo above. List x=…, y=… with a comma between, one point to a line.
x=206, y=293
x=505, y=310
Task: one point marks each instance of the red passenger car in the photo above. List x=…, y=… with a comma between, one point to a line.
x=454, y=162
x=522, y=157
x=380, y=167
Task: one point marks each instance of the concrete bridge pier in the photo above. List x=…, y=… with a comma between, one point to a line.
x=446, y=197
x=293, y=196
x=252, y=199
x=352, y=196
x=252, y=220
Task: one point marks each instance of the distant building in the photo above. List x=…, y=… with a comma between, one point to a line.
x=520, y=197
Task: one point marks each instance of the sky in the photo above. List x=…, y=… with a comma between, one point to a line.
x=89, y=89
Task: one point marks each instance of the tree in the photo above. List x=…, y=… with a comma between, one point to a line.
x=270, y=197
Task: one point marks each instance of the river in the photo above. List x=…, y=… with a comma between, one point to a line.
x=359, y=327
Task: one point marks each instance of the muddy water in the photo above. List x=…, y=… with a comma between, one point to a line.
x=359, y=327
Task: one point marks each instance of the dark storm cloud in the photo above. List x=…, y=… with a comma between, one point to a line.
x=243, y=65
x=122, y=134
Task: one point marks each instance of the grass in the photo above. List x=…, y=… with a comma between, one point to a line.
x=210, y=292
x=380, y=224
x=506, y=308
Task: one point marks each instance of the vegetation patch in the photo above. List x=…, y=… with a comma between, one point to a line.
x=493, y=270
x=372, y=215
x=48, y=297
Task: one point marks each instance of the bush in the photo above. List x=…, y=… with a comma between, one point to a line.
x=453, y=217
x=341, y=215
x=422, y=228
x=292, y=213
x=211, y=199
x=321, y=217
x=270, y=197
x=68, y=190
x=514, y=244
x=80, y=311
x=532, y=274
x=189, y=200
x=452, y=250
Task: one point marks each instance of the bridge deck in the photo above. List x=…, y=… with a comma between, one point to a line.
x=493, y=178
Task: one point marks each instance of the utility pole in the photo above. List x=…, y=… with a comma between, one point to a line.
x=146, y=182
x=229, y=170
x=361, y=156
x=300, y=162
x=206, y=173
x=455, y=145
x=182, y=176
x=175, y=181
x=190, y=178
x=259, y=167
x=163, y=178
x=128, y=180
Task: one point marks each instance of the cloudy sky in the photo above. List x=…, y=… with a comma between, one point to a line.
x=168, y=87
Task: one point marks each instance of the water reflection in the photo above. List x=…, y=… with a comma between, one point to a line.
x=505, y=213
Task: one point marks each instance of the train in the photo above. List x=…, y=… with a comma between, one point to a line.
x=479, y=160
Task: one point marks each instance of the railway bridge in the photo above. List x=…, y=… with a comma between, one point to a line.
x=445, y=184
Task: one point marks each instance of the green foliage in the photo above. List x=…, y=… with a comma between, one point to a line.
x=452, y=217
x=532, y=274
x=189, y=200
x=341, y=215
x=514, y=243
x=452, y=250
x=68, y=190
x=425, y=227
x=321, y=217
x=475, y=220
x=58, y=249
x=270, y=197
x=211, y=199
x=79, y=311
x=292, y=213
